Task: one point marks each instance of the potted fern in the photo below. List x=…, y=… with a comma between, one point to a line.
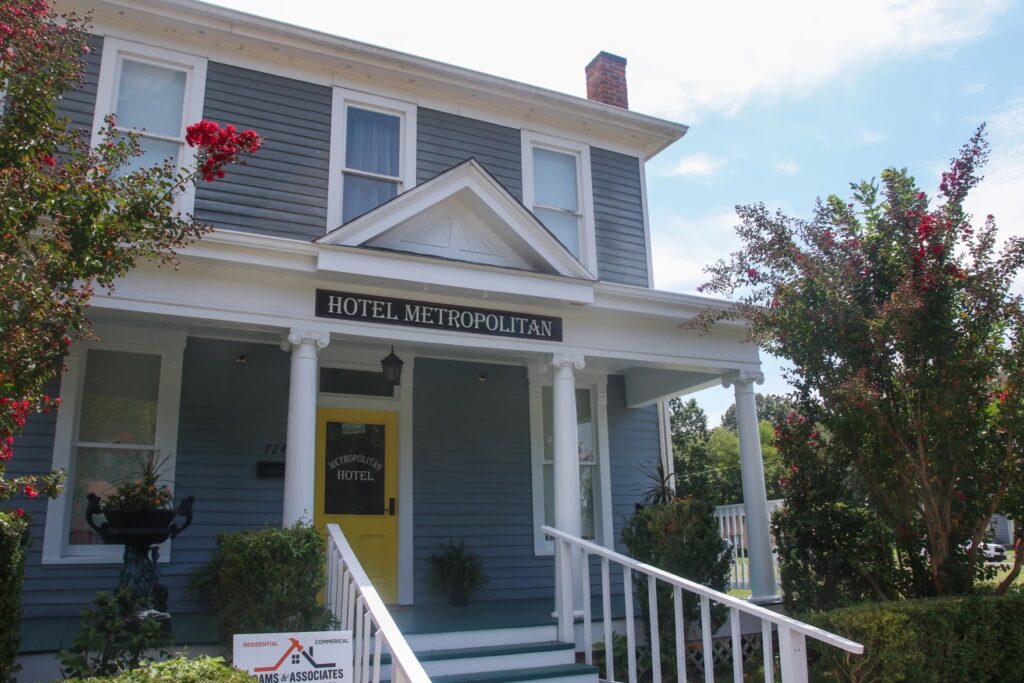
x=457, y=571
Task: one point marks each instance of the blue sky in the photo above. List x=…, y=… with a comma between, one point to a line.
x=786, y=101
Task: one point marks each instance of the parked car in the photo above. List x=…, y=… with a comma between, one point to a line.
x=989, y=552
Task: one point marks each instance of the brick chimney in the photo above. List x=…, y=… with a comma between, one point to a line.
x=606, y=80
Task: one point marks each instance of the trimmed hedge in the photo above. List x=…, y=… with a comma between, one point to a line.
x=267, y=581
x=14, y=541
x=974, y=638
x=178, y=670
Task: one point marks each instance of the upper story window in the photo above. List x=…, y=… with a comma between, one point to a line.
x=156, y=93
x=557, y=189
x=373, y=153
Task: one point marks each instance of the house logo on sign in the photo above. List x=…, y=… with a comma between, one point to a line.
x=288, y=657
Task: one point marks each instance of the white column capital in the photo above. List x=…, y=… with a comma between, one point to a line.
x=744, y=379
x=565, y=360
x=296, y=336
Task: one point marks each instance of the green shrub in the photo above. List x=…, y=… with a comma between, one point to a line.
x=14, y=541
x=179, y=670
x=115, y=636
x=267, y=581
x=975, y=638
x=682, y=538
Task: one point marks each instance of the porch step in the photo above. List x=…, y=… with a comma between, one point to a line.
x=451, y=640
x=563, y=673
x=490, y=658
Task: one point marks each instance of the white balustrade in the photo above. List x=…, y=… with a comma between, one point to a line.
x=572, y=551
x=732, y=525
x=358, y=607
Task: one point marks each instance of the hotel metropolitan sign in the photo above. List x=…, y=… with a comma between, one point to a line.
x=390, y=311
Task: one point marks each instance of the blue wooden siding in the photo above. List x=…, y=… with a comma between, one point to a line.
x=79, y=104
x=229, y=412
x=635, y=448
x=619, y=218
x=282, y=190
x=472, y=476
x=472, y=472
x=446, y=140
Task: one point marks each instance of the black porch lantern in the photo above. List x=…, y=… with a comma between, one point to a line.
x=391, y=366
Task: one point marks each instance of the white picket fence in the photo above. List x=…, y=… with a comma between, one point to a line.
x=572, y=574
x=732, y=524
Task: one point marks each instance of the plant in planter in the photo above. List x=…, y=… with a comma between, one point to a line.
x=457, y=571
x=139, y=515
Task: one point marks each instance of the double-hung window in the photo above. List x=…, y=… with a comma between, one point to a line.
x=119, y=407
x=592, y=445
x=372, y=153
x=156, y=93
x=557, y=189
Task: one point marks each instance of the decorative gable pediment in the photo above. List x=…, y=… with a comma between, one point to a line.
x=464, y=214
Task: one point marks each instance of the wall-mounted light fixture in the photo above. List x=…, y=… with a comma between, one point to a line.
x=391, y=366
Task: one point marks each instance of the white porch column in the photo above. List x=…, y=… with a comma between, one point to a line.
x=566, y=454
x=300, y=456
x=566, y=471
x=755, y=498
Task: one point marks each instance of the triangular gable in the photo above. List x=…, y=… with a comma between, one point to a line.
x=463, y=214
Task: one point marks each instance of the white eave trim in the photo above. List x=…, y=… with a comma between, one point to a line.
x=659, y=133
x=658, y=302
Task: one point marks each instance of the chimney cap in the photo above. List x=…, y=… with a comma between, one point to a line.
x=606, y=55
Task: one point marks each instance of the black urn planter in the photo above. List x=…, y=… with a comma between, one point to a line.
x=140, y=532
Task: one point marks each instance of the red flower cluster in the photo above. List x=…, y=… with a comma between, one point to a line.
x=219, y=147
x=17, y=412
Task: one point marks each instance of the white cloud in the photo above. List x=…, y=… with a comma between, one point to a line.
x=685, y=59
x=974, y=87
x=699, y=164
x=682, y=247
x=870, y=137
x=787, y=168
x=1001, y=190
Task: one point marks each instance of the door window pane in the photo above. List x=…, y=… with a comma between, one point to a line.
x=150, y=97
x=119, y=399
x=372, y=141
x=354, y=469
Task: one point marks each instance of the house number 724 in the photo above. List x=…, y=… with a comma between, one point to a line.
x=274, y=449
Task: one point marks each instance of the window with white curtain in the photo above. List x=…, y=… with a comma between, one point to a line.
x=156, y=93
x=557, y=189
x=372, y=153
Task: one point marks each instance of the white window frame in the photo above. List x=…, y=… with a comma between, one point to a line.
x=581, y=151
x=115, y=51
x=406, y=112
x=598, y=386
x=170, y=346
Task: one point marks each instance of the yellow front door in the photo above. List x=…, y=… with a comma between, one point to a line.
x=357, y=487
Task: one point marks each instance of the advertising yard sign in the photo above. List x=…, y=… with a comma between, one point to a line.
x=288, y=657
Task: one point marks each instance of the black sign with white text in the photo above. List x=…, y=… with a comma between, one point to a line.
x=380, y=309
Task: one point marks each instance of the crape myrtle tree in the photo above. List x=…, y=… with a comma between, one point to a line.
x=72, y=217
x=900, y=319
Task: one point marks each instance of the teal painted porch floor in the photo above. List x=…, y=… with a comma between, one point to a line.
x=54, y=633
x=486, y=614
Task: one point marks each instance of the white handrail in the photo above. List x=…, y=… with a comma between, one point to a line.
x=357, y=606
x=792, y=633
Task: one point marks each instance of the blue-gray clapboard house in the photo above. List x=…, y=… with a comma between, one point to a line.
x=494, y=235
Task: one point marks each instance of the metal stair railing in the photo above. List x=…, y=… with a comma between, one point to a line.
x=358, y=607
x=573, y=552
